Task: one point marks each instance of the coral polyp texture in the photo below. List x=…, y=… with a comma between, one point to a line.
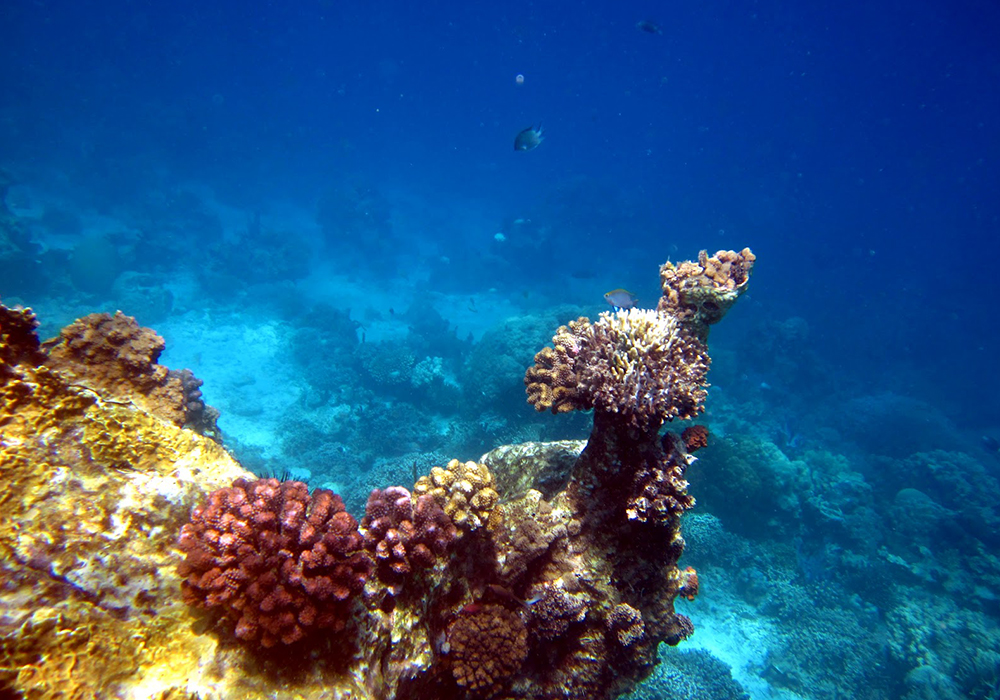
x=464, y=490
x=487, y=645
x=643, y=364
x=700, y=293
x=140, y=561
x=278, y=561
x=552, y=382
x=404, y=537
x=116, y=357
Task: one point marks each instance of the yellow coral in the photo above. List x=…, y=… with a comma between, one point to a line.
x=464, y=490
x=93, y=494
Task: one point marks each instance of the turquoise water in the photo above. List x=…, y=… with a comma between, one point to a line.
x=321, y=209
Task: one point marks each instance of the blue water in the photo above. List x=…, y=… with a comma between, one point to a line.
x=319, y=206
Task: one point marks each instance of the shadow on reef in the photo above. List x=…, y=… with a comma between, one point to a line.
x=469, y=584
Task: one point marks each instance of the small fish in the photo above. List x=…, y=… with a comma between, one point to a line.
x=621, y=299
x=528, y=139
x=648, y=26
x=991, y=444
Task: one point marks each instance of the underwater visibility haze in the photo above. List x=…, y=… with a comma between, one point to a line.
x=369, y=350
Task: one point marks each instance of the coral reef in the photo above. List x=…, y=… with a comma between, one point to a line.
x=463, y=489
x=700, y=293
x=116, y=357
x=278, y=561
x=404, y=537
x=487, y=645
x=565, y=593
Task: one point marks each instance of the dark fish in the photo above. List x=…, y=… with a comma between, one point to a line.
x=621, y=299
x=991, y=444
x=648, y=26
x=528, y=139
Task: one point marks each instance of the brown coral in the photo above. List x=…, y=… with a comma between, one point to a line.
x=625, y=623
x=403, y=538
x=487, y=646
x=277, y=561
x=116, y=357
x=700, y=293
x=688, y=587
x=555, y=610
x=551, y=383
x=465, y=490
x=18, y=342
x=695, y=437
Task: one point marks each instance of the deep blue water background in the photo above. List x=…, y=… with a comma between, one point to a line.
x=853, y=146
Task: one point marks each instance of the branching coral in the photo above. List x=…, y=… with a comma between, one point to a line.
x=403, y=538
x=625, y=624
x=555, y=610
x=275, y=560
x=465, y=490
x=487, y=646
x=642, y=364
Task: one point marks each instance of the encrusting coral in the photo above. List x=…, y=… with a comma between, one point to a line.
x=116, y=357
x=140, y=560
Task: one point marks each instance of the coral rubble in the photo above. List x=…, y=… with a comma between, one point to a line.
x=141, y=561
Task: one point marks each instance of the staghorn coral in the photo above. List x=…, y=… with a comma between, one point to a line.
x=116, y=357
x=402, y=538
x=487, y=645
x=274, y=559
x=700, y=293
x=465, y=490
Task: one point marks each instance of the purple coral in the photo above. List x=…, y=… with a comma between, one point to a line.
x=403, y=537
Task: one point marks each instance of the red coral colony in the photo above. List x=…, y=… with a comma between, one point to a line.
x=566, y=597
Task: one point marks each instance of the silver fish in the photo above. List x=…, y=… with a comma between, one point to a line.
x=621, y=299
x=528, y=139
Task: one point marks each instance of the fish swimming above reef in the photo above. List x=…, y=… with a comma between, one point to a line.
x=621, y=299
x=528, y=139
x=648, y=26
